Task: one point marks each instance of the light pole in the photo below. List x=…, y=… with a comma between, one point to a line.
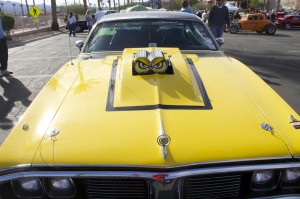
x=14, y=5
x=22, y=9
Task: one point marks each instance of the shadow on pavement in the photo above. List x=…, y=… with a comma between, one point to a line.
x=14, y=91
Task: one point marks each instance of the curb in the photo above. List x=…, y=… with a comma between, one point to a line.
x=34, y=35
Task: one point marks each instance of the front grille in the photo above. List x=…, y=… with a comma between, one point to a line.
x=116, y=188
x=212, y=187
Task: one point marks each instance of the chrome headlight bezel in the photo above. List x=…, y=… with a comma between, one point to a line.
x=19, y=187
x=264, y=180
x=290, y=178
x=53, y=191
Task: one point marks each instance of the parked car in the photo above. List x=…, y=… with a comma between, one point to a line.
x=288, y=22
x=254, y=22
x=152, y=108
x=81, y=25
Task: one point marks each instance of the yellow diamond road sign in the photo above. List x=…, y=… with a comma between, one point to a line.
x=34, y=11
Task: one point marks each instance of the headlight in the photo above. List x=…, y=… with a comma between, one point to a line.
x=262, y=177
x=60, y=188
x=291, y=175
x=30, y=184
x=265, y=180
x=61, y=183
x=290, y=178
x=28, y=188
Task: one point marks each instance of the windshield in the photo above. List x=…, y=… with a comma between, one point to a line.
x=115, y=36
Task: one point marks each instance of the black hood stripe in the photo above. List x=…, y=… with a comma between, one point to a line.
x=111, y=92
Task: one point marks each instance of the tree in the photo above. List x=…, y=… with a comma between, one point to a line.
x=84, y=5
x=8, y=23
x=27, y=8
x=278, y=4
x=45, y=11
x=119, y=4
x=54, y=25
x=290, y=4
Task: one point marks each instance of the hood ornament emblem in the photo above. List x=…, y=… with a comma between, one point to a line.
x=163, y=140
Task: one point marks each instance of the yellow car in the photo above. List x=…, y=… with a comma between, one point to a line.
x=253, y=22
x=152, y=108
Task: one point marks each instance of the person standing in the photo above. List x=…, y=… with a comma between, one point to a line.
x=273, y=16
x=185, y=7
x=72, y=24
x=236, y=17
x=89, y=20
x=205, y=16
x=3, y=51
x=99, y=14
x=218, y=17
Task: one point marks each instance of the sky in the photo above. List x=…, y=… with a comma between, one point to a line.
x=58, y=2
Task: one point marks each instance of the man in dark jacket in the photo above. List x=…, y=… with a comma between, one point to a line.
x=3, y=51
x=218, y=17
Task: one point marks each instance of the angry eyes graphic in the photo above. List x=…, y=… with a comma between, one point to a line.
x=146, y=63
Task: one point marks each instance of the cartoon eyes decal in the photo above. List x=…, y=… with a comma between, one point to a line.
x=141, y=67
x=147, y=63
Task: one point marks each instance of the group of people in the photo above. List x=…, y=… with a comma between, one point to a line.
x=217, y=18
x=89, y=20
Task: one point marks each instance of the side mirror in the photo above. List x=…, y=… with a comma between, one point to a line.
x=220, y=41
x=79, y=44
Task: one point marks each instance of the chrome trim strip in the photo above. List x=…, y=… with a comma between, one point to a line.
x=285, y=158
x=146, y=174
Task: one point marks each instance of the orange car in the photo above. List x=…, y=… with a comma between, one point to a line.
x=254, y=22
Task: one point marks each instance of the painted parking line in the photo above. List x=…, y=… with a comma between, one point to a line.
x=275, y=44
x=29, y=76
x=38, y=58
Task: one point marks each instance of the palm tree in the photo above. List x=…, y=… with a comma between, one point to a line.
x=84, y=5
x=45, y=11
x=98, y=3
x=114, y=4
x=27, y=8
x=278, y=4
x=54, y=25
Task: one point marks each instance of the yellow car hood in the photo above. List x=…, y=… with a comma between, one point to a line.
x=97, y=112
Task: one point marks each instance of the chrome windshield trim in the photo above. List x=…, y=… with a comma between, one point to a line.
x=142, y=174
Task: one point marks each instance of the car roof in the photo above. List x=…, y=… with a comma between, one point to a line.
x=140, y=15
x=256, y=14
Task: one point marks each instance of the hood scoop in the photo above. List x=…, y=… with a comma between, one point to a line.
x=145, y=80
